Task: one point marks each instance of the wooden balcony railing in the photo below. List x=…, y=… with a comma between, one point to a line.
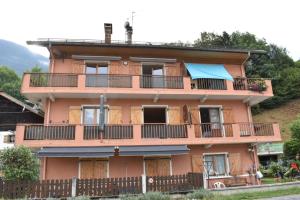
x=209, y=84
x=170, y=82
x=108, y=80
x=51, y=132
x=256, y=129
x=92, y=132
x=164, y=131
x=210, y=130
x=53, y=80
x=253, y=84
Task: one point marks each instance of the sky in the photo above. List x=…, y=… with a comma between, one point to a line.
x=154, y=20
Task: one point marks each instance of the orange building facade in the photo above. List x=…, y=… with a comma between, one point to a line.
x=157, y=120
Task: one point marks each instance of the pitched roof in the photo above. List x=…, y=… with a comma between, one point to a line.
x=20, y=103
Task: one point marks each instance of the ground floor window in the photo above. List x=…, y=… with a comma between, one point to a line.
x=93, y=169
x=216, y=164
x=157, y=166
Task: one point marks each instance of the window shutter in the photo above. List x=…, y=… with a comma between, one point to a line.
x=86, y=169
x=174, y=115
x=114, y=68
x=186, y=115
x=195, y=118
x=234, y=163
x=115, y=115
x=136, y=115
x=173, y=70
x=197, y=164
x=77, y=67
x=75, y=115
x=100, y=169
x=163, y=167
x=151, y=167
x=228, y=115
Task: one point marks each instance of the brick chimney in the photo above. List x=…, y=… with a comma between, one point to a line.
x=108, y=32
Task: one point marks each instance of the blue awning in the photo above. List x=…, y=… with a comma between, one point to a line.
x=213, y=71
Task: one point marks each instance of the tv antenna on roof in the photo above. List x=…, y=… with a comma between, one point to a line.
x=132, y=16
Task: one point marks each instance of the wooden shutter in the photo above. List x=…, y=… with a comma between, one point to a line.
x=115, y=115
x=77, y=67
x=86, y=169
x=136, y=115
x=228, y=115
x=100, y=169
x=135, y=68
x=93, y=169
x=234, y=163
x=114, y=68
x=75, y=115
x=195, y=118
x=174, y=115
x=197, y=163
x=151, y=167
x=186, y=115
x=6, y=139
x=173, y=70
x=163, y=167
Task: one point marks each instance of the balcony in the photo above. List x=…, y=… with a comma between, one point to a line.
x=145, y=134
x=42, y=85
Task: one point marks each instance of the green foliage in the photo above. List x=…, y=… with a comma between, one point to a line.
x=19, y=164
x=10, y=82
x=292, y=148
x=275, y=168
x=275, y=64
x=79, y=198
x=200, y=194
x=35, y=69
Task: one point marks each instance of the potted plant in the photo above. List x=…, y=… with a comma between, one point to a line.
x=258, y=85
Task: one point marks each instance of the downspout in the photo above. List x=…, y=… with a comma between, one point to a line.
x=244, y=75
x=52, y=58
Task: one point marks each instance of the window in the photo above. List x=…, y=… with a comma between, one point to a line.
x=100, y=68
x=216, y=165
x=9, y=139
x=93, y=169
x=211, y=121
x=155, y=115
x=153, y=76
x=91, y=115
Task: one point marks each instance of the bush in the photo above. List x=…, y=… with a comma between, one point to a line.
x=79, y=198
x=275, y=168
x=19, y=164
x=200, y=194
x=147, y=196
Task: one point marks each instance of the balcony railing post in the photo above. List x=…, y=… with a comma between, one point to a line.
x=236, y=130
x=187, y=83
x=78, y=133
x=137, y=132
x=81, y=81
x=135, y=82
x=191, y=131
x=229, y=85
x=20, y=133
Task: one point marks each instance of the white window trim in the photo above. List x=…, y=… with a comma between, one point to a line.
x=93, y=105
x=226, y=162
x=220, y=111
x=156, y=106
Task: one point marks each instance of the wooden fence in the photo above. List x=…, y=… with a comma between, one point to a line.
x=175, y=183
x=103, y=187
x=36, y=189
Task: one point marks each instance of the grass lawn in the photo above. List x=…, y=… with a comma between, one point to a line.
x=258, y=195
x=271, y=180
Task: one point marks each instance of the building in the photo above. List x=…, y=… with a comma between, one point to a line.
x=269, y=152
x=13, y=111
x=123, y=109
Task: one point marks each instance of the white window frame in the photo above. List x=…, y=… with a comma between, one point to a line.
x=227, y=174
x=156, y=106
x=94, y=105
x=220, y=107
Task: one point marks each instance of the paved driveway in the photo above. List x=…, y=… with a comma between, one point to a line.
x=289, y=197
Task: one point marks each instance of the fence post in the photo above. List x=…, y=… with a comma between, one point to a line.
x=144, y=183
x=74, y=181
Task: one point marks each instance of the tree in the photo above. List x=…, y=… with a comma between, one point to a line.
x=292, y=147
x=19, y=164
x=10, y=82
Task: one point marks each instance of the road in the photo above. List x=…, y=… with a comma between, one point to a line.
x=289, y=197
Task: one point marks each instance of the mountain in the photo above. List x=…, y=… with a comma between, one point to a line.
x=284, y=114
x=20, y=58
